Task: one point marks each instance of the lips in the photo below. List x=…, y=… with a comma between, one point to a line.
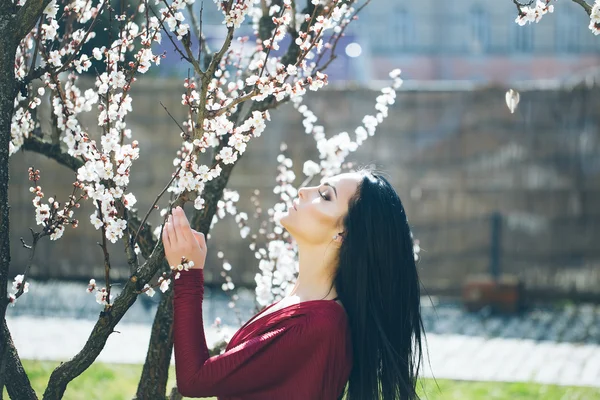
x=294, y=205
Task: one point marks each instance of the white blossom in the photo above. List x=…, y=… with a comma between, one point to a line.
x=164, y=284
x=534, y=14
x=18, y=282
x=595, y=18
x=55, y=58
x=101, y=297
x=311, y=168
x=91, y=286
x=51, y=10
x=129, y=200
x=148, y=290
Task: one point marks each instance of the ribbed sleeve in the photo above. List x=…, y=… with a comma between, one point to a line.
x=288, y=361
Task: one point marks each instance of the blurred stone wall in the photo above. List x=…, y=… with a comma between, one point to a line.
x=455, y=157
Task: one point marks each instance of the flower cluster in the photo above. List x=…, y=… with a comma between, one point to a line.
x=228, y=284
x=184, y=265
x=333, y=151
x=18, y=286
x=101, y=293
x=105, y=174
x=284, y=188
x=51, y=216
x=278, y=264
x=595, y=18
x=174, y=19
x=534, y=14
x=234, y=11
x=163, y=283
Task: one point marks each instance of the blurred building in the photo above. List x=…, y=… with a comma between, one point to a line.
x=440, y=40
x=470, y=40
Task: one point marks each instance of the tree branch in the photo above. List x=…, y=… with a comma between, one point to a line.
x=105, y=325
x=527, y=4
x=28, y=15
x=36, y=237
x=106, y=254
x=585, y=5
x=52, y=151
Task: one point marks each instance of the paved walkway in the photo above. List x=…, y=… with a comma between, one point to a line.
x=451, y=356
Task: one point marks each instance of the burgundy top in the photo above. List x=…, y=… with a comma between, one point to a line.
x=300, y=352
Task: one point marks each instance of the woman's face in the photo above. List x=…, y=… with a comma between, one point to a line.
x=319, y=210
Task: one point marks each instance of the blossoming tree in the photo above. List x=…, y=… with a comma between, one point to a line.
x=228, y=98
x=533, y=10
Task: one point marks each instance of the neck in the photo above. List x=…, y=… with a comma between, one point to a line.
x=316, y=268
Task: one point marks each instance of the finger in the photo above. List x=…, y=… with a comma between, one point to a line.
x=182, y=225
x=165, y=236
x=171, y=228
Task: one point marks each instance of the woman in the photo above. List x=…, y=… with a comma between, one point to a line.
x=353, y=316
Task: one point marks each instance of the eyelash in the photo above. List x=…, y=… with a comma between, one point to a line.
x=321, y=194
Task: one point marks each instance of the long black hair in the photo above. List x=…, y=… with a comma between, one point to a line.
x=377, y=282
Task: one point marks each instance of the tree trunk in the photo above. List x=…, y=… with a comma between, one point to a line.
x=12, y=373
x=153, y=383
x=18, y=385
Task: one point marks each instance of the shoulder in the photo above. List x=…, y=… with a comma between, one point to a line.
x=318, y=318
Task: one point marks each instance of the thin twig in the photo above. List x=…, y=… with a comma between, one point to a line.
x=217, y=58
x=235, y=102
x=201, y=39
x=248, y=96
x=186, y=45
x=202, y=46
x=170, y=38
x=154, y=204
x=175, y=175
x=34, y=74
x=36, y=236
x=337, y=40
x=106, y=255
x=173, y=118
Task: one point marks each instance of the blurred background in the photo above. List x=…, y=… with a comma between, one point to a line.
x=506, y=206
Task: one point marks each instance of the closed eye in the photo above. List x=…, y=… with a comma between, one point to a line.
x=324, y=197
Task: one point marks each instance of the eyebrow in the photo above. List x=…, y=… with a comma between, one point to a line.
x=331, y=186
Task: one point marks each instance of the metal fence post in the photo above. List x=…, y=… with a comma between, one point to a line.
x=495, y=245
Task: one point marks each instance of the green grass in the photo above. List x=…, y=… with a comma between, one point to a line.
x=119, y=381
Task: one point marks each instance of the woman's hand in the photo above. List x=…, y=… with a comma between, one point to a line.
x=179, y=240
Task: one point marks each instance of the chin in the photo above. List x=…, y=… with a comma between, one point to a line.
x=282, y=222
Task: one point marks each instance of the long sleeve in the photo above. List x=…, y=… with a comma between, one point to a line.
x=291, y=352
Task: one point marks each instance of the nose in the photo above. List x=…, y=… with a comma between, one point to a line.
x=301, y=192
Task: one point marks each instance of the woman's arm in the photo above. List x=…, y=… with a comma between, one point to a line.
x=260, y=363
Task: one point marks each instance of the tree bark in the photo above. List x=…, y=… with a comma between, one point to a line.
x=8, y=85
x=12, y=373
x=153, y=382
